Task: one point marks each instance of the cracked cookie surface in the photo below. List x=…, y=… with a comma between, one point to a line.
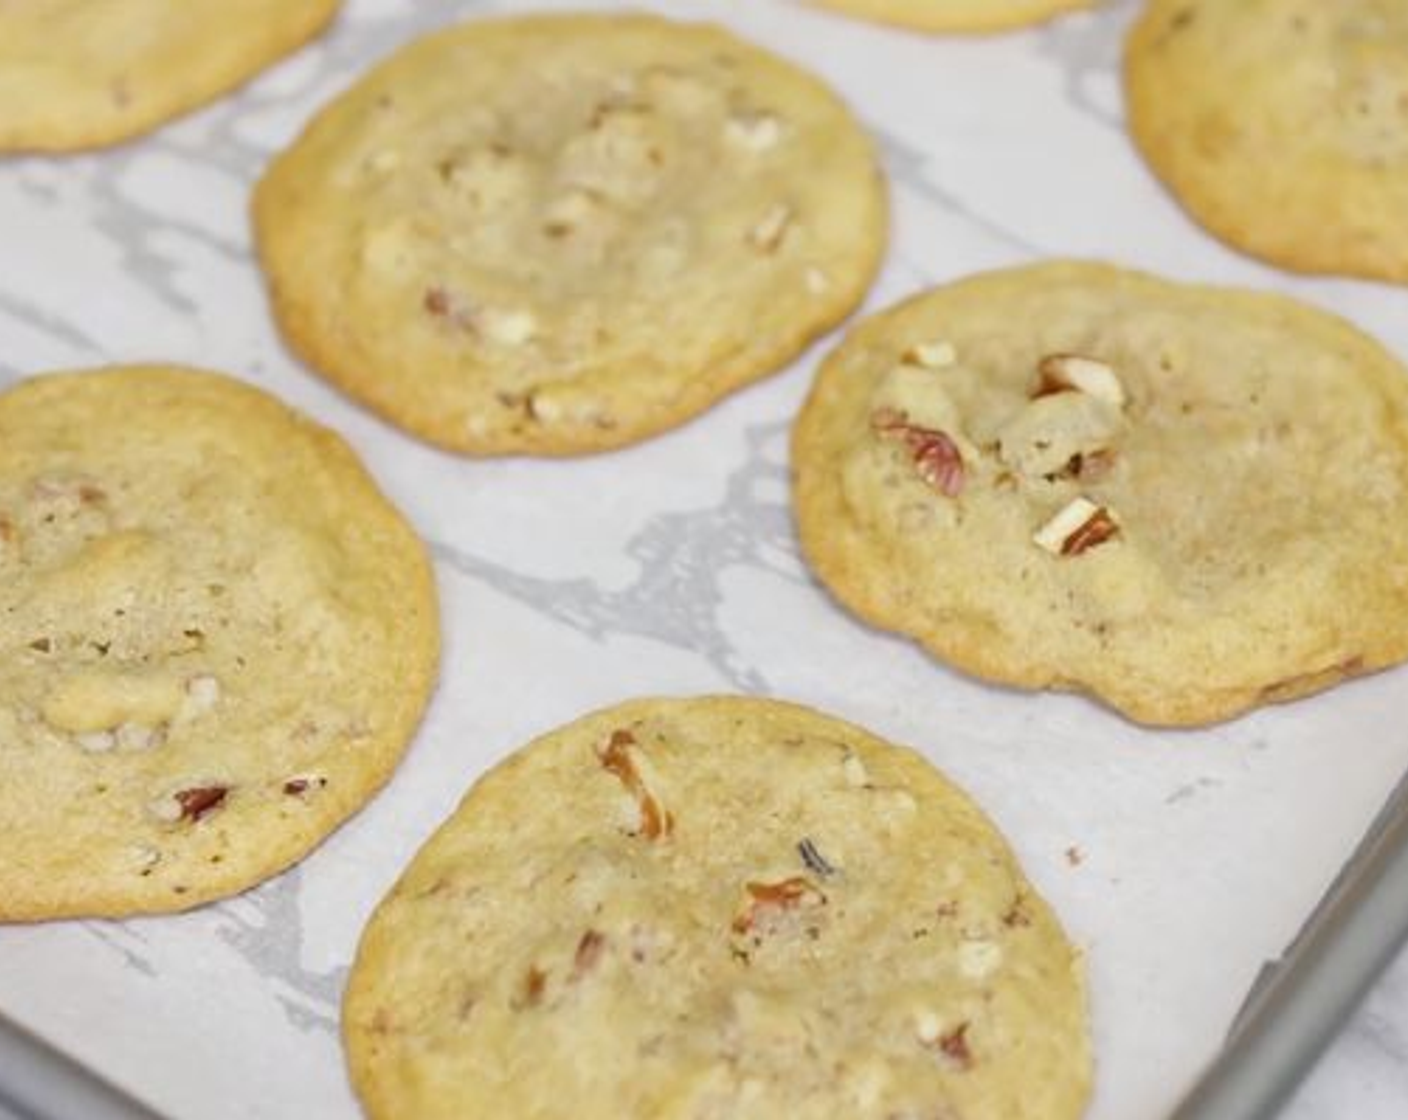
x=955, y=15
x=563, y=233
x=1281, y=125
x=216, y=639
x=716, y=908
x=1187, y=501
x=80, y=74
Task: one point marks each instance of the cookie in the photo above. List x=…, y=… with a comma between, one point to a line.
x=94, y=72
x=562, y=233
x=955, y=15
x=1281, y=125
x=718, y=907
x=1186, y=501
x=216, y=639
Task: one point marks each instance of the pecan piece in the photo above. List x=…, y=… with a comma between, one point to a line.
x=1085, y=466
x=936, y=457
x=589, y=953
x=202, y=692
x=1099, y=528
x=1017, y=916
x=1080, y=526
x=853, y=770
x=931, y=355
x=771, y=229
x=96, y=741
x=535, y=982
x=437, y=301
x=767, y=899
x=618, y=757
x=954, y=1046
x=1094, y=466
x=447, y=307
x=754, y=132
x=200, y=801
x=1071, y=373
x=939, y=462
x=133, y=736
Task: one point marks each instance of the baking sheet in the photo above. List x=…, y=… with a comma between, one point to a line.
x=1178, y=860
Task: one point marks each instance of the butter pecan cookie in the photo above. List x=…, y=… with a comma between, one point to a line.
x=1187, y=501
x=216, y=639
x=1282, y=125
x=955, y=15
x=85, y=73
x=719, y=907
x=562, y=233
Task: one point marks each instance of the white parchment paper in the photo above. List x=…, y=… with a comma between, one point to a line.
x=1178, y=860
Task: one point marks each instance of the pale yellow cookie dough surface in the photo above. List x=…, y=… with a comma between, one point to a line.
x=955, y=15
x=619, y=921
x=86, y=73
x=216, y=639
x=1256, y=473
x=562, y=233
x=1282, y=125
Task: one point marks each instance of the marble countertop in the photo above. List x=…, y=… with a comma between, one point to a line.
x=1179, y=861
